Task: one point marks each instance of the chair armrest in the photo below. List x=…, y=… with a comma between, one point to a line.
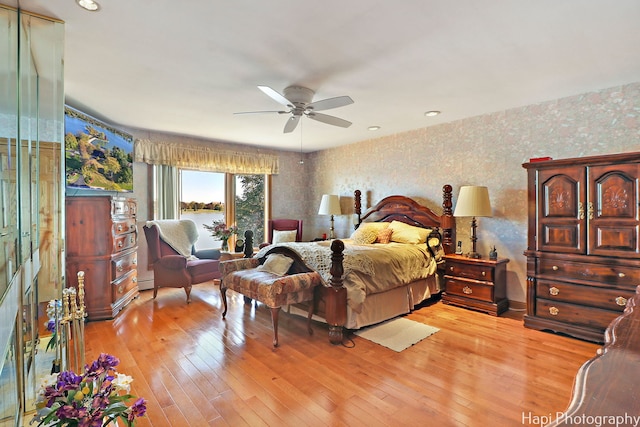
x=207, y=254
x=262, y=245
x=173, y=262
x=227, y=267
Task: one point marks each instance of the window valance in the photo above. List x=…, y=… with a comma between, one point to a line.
x=198, y=157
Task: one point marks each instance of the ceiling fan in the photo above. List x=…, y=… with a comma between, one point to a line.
x=298, y=99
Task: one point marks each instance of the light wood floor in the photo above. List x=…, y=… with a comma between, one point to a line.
x=196, y=369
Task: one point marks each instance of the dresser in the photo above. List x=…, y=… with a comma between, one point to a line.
x=476, y=283
x=101, y=240
x=583, y=250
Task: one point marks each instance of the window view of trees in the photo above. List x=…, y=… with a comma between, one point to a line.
x=250, y=206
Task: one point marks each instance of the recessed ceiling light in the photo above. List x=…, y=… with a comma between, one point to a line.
x=89, y=5
x=373, y=127
x=431, y=113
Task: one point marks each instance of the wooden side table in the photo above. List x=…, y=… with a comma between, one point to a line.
x=478, y=284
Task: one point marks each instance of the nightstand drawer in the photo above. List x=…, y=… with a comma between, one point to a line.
x=121, y=265
x=470, y=271
x=615, y=275
x=575, y=314
x=469, y=289
x=610, y=299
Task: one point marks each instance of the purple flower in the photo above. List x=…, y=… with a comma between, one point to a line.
x=138, y=409
x=68, y=380
x=104, y=363
x=51, y=326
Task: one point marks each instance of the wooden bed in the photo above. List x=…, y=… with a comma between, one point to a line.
x=331, y=303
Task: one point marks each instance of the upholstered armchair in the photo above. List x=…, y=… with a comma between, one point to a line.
x=278, y=228
x=173, y=257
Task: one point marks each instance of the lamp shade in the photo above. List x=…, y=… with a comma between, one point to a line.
x=473, y=201
x=329, y=205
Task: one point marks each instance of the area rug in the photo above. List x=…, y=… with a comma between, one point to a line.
x=397, y=334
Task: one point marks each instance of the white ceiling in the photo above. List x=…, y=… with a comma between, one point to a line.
x=186, y=67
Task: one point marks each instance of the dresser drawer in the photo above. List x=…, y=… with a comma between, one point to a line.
x=123, y=285
x=610, y=299
x=575, y=314
x=123, y=264
x=469, y=289
x=470, y=271
x=124, y=241
x=570, y=270
x=121, y=207
x=124, y=226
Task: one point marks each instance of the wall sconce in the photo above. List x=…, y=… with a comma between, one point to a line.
x=330, y=205
x=473, y=201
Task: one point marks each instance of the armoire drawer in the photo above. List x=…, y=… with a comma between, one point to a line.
x=569, y=270
x=469, y=288
x=124, y=226
x=121, y=265
x=610, y=299
x=592, y=317
x=125, y=241
x=124, y=284
x=475, y=272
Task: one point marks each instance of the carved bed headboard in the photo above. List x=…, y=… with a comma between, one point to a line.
x=407, y=210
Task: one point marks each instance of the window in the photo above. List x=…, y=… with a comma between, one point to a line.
x=203, y=199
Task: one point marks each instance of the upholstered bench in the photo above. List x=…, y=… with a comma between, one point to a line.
x=247, y=277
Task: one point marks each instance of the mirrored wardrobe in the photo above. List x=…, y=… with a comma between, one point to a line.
x=31, y=202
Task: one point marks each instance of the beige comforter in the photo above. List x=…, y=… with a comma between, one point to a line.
x=368, y=269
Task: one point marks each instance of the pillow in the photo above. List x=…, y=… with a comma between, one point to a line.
x=405, y=233
x=281, y=236
x=364, y=236
x=384, y=235
x=277, y=264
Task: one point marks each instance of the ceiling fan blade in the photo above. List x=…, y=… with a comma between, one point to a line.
x=275, y=96
x=291, y=124
x=326, y=104
x=260, y=112
x=330, y=120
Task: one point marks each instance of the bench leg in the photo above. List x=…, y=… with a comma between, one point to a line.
x=223, y=291
x=309, y=316
x=274, y=320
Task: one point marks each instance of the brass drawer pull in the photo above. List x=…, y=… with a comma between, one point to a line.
x=450, y=268
x=621, y=275
x=553, y=311
x=484, y=273
x=120, y=268
x=120, y=289
x=467, y=290
x=119, y=228
x=135, y=261
x=555, y=268
x=621, y=301
x=120, y=244
x=554, y=291
x=134, y=280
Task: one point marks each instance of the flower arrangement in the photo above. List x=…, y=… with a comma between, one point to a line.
x=220, y=231
x=54, y=313
x=93, y=399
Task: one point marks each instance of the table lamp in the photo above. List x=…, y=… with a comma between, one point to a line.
x=330, y=205
x=473, y=201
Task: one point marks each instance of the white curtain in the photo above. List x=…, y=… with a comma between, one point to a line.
x=166, y=192
x=200, y=157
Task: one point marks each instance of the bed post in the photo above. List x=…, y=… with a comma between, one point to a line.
x=448, y=221
x=357, y=205
x=336, y=295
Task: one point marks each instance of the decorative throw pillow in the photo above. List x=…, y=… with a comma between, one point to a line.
x=281, y=236
x=364, y=236
x=277, y=264
x=384, y=235
x=405, y=233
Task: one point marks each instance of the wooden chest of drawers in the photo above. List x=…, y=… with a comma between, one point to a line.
x=479, y=284
x=102, y=241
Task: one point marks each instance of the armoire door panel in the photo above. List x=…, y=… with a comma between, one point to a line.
x=561, y=210
x=613, y=210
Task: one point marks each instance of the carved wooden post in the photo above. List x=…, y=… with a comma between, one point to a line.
x=357, y=204
x=336, y=298
x=447, y=220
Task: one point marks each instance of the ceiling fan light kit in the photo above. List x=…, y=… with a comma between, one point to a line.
x=298, y=100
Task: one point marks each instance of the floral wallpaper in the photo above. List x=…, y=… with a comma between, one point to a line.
x=485, y=150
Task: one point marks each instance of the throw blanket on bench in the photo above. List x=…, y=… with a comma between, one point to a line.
x=179, y=234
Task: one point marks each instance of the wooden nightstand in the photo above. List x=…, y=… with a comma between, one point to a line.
x=478, y=284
